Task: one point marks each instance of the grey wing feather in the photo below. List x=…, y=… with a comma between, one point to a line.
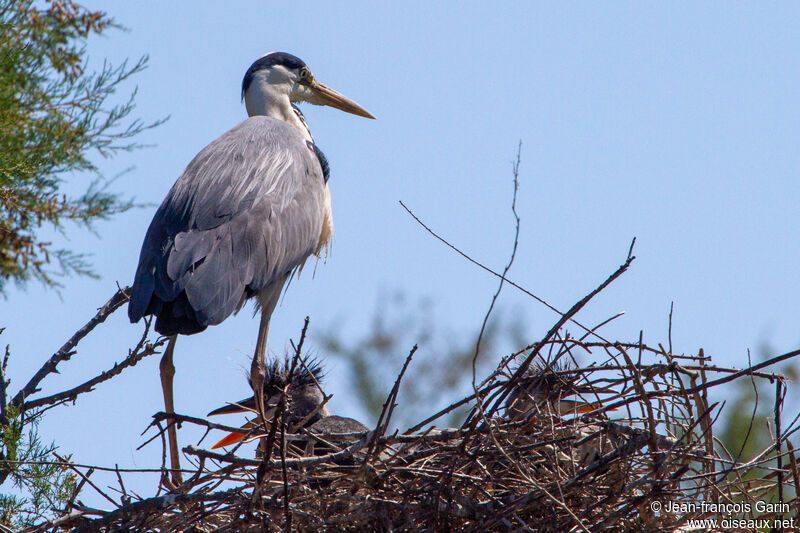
x=247, y=210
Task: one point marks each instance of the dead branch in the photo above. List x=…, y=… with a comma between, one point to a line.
x=66, y=351
x=139, y=352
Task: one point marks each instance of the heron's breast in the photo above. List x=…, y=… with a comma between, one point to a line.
x=326, y=231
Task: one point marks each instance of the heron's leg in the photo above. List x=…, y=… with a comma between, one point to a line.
x=167, y=373
x=268, y=299
x=258, y=370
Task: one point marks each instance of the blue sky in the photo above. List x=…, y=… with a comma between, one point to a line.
x=675, y=123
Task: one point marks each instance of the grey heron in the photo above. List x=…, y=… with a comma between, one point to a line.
x=305, y=402
x=245, y=214
x=545, y=389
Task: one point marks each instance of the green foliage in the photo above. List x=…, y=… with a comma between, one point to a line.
x=54, y=114
x=750, y=411
x=40, y=481
x=441, y=371
x=750, y=422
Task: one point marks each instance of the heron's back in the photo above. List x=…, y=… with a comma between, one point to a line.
x=248, y=209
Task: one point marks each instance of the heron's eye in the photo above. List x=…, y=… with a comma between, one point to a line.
x=305, y=75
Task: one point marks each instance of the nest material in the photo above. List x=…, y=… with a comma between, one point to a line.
x=651, y=441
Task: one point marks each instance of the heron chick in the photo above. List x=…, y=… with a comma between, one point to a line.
x=305, y=406
x=546, y=389
x=245, y=214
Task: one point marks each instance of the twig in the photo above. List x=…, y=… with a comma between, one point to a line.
x=779, y=393
x=66, y=351
x=3, y=385
x=85, y=477
x=515, y=172
x=713, y=383
x=496, y=274
x=158, y=504
x=388, y=407
x=142, y=350
x=240, y=461
x=559, y=324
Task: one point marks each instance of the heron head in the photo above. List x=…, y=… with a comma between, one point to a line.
x=302, y=387
x=305, y=401
x=280, y=76
x=544, y=387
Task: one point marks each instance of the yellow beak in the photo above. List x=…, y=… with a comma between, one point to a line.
x=326, y=96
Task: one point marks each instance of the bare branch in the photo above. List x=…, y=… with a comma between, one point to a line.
x=139, y=352
x=66, y=351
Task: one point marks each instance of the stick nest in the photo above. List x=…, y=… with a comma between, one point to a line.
x=649, y=439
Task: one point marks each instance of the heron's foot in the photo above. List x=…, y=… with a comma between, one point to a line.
x=171, y=484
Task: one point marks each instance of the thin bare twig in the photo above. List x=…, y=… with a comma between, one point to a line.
x=388, y=407
x=515, y=173
x=66, y=351
x=139, y=352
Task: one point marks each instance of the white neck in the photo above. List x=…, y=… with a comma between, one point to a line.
x=262, y=98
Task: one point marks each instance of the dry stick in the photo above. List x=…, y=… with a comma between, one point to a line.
x=282, y=404
x=701, y=399
x=704, y=398
x=142, y=350
x=278, y=418
x=497, y=274
x=559, y=324
x=158, y=504
x=77, y=489
x=265, y=460
x=508, y=386
x=657, y=368
x=753, y=416
x=654, y=369
x=388, y=407
x=85, y=477
x=165, y=481
x=92, y=467
x=639, y=386
x=515, y=172
x=704, y=386
x=50, y=525
x=179, y=418
x=125, y=498
x=284, y=393
x=66, y=351
x=286, y=510
x=479, y=400
x=778, y=402
x=598, y=326
x=240, y=461
x=795, y=473
x=3, y=385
